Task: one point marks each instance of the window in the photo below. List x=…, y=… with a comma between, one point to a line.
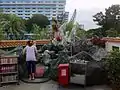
x=27, y=11
x=33, y=11
x=47, y=11
x=27, y=17
x=54, y=14
x=27, y=14
x=39, y=11
x=47, y=8
x=54, y=11
x=60, y=8
x=33, y=8
x=20, y=11
x=13, y=11
x=20, y=5
x=7, y=8
x=47, y=14
x=20, y=14
x=40, y=2
x=40, y=8
x=27, y=8
x=60, y=11
x=60, y=5
x=7, y=11
x=54, y=8
x=115, y=48
x=20, y=8
x=13, y=8
x=13, y=2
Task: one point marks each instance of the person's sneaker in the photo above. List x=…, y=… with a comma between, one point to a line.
x=33, y=78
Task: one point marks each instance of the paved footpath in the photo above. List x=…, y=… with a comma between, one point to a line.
x=50, y=86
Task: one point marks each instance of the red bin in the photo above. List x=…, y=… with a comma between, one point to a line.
x=63, y=74
x=39, y=71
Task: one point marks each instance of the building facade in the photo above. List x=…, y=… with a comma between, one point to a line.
x=63, y=17
x=26, y=8
x=112, y=44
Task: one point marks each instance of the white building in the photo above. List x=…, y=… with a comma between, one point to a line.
x=26, y=8
x=112, y=44
x=66, y=16
x=63, y=16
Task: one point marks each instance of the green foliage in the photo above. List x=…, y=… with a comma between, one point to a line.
x=40, y=33
x=70, y=24
x=1, y=30
x=59, y=56
x=81, y=33
x=36, y=30
x=69, y=27
x=1, y=34
x=111, y=19
x=1, y=10
x=112, y=33
x=38, y=19
x=96, y=32
x=12, y=25
x=72, y=30
x=113, y=67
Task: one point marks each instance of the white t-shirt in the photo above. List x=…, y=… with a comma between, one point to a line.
x=30, y=53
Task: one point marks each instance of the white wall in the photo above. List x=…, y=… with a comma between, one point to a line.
x=109, y=45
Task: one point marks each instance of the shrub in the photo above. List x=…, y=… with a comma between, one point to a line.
x=113, y=68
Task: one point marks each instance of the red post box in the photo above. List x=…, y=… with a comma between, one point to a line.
x=63, y=74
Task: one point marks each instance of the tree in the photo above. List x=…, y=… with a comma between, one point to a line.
x=95, y=32
x=112, y=64
x=71, y=24
x=81, y=33
x=36, y=31
x=38, y=19
x=12, y=26
x=1, y=33
x=39, y=33
x=1, y=10
x=112, y=33
x=111, y=19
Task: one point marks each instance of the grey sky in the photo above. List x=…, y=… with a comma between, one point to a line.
x=87, y=8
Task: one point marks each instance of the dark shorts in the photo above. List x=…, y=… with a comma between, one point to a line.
x=31, y=66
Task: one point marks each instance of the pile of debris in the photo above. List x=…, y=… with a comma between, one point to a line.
x=81, y=50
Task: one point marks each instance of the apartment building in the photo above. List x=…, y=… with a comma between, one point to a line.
x=26, y=8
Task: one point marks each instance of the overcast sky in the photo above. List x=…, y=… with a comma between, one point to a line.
x=87, y=8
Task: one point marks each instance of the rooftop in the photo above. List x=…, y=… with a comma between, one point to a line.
x=14, y=43
x=112, y=39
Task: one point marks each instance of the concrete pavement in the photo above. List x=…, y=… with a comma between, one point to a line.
x=51, y=85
